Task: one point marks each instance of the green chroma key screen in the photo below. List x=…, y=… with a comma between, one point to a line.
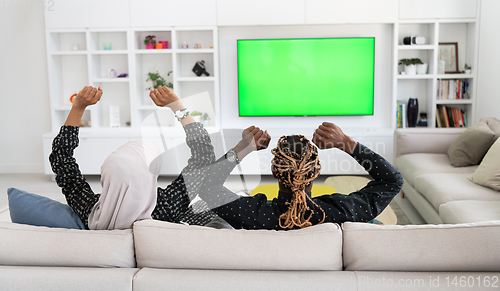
x=309, y=76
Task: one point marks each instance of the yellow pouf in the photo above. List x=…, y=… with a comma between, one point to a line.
x=271, y=190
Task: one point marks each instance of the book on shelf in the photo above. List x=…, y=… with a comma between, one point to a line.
x=401, y=114
x=452, y=89
x=450, y=117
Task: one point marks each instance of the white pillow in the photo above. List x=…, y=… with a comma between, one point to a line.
x=488, y=172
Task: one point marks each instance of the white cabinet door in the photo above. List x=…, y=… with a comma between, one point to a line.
x=260, y=12
x=353, y=11
x=172, y=13
x=425, y=9
x=87, y=14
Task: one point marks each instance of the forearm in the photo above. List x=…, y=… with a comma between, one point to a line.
x=212, y=190
x=75, y=116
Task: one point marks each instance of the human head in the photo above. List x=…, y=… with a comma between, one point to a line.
x=296, y=165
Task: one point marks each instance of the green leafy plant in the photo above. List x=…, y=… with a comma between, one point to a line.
x=408, y=62
x=158, y=80
x=150, y=38
x=205, y=116
x=196, y=113
x=467, y=67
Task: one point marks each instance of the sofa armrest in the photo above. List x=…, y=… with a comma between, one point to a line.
x=424, y=140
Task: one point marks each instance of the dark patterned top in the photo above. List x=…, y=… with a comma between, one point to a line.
x=257, y=213
x=172, y=201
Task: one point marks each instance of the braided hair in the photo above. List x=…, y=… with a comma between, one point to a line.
x=296, y=165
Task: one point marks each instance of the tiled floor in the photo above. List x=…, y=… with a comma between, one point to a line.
x=45, y=186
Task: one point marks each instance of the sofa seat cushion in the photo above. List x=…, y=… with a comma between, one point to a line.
x=442, y=188
x=466, y=211
x=26, y=245
x=414, y=165
x=471, y=247
x=161, y=244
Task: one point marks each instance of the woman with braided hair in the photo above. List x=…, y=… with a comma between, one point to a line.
x=296, y=165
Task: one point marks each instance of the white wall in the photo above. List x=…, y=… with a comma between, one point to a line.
x=229, y=82
x=488, y=95
x=24, y=93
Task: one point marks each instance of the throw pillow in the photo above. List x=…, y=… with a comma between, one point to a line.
x=33, y=209
x=494, y=125
x=469, y=148
x=488, y=172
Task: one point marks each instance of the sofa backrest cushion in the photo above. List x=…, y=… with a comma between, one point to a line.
x=494, y=125
x=488, y=172
x=468, y=247
x=26, y=245
x=469, y=148
x=161, y=244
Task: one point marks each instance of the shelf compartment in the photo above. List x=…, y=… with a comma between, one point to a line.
x=426, y=30
x=426, y=56
x=65, y=41
x=186, y=63
x=199, y=96
x=464, y=35
x=68, y=76
x=205, y=38
x=466, y=108
x=113, y=94
x=117, y=40
x=102, y=64
x=160, y=35
x=150, y=63
x=421, y=89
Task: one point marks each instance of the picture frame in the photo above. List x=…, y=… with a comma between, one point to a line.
x=448, y=52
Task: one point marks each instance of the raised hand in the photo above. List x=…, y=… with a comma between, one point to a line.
x=87, y=96
x=252, y=139
x=329, y=135
x=163, y=96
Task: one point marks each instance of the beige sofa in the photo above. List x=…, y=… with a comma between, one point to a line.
x=165, y=256
x=439, y=192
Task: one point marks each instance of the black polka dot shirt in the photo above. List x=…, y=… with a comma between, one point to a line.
x=173, y=202
x=257, y=213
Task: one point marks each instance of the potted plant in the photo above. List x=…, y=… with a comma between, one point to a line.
x=411, y=65
x=205, y=119
x=150, y=42
x=467, y=69
x=158, y=80
x=196, y=115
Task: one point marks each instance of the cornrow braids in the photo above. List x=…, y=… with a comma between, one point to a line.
x=296, y=165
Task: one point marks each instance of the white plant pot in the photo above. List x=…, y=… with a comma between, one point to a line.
x=410, y=69
x=422, y=69
x=468, y=72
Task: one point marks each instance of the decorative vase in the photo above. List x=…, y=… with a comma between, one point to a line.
x=159, y=46
x=412, y=113
x=410, y=69
x=422, y=69
x=164, y=43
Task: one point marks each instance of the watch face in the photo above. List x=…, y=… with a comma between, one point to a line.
x=231, y=156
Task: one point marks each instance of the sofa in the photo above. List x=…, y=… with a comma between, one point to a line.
x=158, y=255
x=440, y=192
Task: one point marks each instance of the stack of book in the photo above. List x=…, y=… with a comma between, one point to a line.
x=453, y=89
x=401, y=115
x=450, y=117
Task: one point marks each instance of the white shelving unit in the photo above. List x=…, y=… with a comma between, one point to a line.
x=77, y=58
x=425, y=87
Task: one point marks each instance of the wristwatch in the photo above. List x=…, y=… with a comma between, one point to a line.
x=181, y=114
x=232, y=157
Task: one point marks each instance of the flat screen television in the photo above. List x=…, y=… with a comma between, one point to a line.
x=306, y=76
